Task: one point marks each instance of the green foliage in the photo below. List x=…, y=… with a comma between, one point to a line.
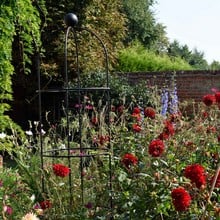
x=122, y=93
x=142, y=25
x=21, y=19
x=6, y=69
x=11, y=137
x=14, y=194
x=137, y=58
x=103, y=18
x=195, y=58
x=215, y=65
x=106, y=19
x=27, y=23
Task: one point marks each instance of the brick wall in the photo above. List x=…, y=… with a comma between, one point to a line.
x=190, y=84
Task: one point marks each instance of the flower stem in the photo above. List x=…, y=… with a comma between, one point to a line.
x=211, y=190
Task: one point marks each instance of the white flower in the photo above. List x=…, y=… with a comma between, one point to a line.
x=61, y=184
x=30, y=216
x=36, y=122
x=43, y=132
x=2, y=135
x=32, y=197
x=62, y=146
x=29, y=133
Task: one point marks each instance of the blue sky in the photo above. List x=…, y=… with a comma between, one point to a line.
x=192, y=22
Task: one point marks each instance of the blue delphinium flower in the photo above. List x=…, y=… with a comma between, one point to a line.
x=164, y=102
x=173, y=107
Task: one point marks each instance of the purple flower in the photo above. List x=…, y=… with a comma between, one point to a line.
x=8, y=209
x=89, y=107
x=174, y=101
x=88, y=205
x=78, y=105
x=164, y=102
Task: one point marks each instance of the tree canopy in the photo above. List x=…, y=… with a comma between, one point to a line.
x=142, y=25
x=194, y=57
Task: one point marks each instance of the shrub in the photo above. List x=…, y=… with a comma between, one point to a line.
x=136, y=58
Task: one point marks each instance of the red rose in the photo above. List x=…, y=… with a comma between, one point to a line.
x=217, y=97
x=94, y=120
x=163, y=136
x=120, y=109
x=136, y=110
x=129, y=160
x=136, y=127
x=169, y=128
x=208, y=99
x=175, y=116
x=46, y=204
x=61, y=170
x=156, y=148
x=149, y=112
x=205, y=115
x=211, y=129
x=103, y=139
x=136, y=116
x=181, y=199
x=113, y=108
x=196, y=174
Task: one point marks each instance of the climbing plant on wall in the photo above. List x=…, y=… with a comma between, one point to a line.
x=21, y=19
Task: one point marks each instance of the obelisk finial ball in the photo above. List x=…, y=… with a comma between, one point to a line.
x=71, y=20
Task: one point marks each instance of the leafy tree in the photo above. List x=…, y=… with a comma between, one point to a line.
x=215, y=65
x=175, y=50
x=195, y=58
x=104, y=18
x=142, y=25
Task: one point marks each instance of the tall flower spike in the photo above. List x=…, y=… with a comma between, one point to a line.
x=173, y=108
x=164, y=102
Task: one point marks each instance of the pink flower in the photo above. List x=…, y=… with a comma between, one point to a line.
x=8, y=209
x=30, y=216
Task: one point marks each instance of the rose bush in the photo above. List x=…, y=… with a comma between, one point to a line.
x=162, y=166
